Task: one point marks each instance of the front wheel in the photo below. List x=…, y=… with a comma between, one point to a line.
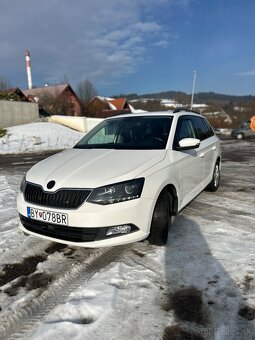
x=161, y=220
x=214, y=184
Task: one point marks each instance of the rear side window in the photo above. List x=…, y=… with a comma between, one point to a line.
x=202, y=128
x=210, y=131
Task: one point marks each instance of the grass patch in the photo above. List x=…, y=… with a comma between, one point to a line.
x=2, y=132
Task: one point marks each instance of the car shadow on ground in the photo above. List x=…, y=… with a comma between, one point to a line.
x=202, y=299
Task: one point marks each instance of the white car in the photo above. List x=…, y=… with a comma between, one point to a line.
x=123, y=181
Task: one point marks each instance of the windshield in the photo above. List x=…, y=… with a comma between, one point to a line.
x=128, y=133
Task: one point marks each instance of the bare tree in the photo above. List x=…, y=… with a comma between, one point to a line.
x=46, y=103
x=58, y=105
x=150, y=105
x=65, y=79
x=4, y=83
x=85, y=91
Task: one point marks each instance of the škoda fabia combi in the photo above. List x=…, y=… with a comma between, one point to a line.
x=123, y=181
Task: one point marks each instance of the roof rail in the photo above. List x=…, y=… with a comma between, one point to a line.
x=178, y=109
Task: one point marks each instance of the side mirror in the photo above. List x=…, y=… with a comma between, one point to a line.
x=188, y=143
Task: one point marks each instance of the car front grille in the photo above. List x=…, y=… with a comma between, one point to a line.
x=62, y=198
x=72, y=234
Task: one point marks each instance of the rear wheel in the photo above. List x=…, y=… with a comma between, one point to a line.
x=214, y=184
x=240, y=136
x=161, y=220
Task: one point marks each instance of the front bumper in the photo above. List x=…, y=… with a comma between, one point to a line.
x=89, y=223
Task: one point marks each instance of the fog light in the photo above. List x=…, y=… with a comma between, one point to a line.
x=119, y=229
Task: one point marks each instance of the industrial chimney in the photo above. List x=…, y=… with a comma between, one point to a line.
x=29, y=74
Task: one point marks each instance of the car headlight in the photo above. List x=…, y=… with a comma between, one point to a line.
x=23, y=184
x=115, y=193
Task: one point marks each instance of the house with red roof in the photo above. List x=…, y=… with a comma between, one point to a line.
x=103, y=107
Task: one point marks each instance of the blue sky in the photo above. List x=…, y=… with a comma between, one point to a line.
x=131, y=46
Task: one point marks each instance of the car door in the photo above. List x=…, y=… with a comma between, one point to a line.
x=249, y=132
x=208, y=146
x=190, y=164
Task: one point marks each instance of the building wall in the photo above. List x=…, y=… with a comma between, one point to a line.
x=82, y=124
x=76, y=109
x=16, y=113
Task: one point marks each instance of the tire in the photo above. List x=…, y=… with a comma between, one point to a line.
x=240, y=136
x=161, y=220
x=214, y=184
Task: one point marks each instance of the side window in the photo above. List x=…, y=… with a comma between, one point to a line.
x=246, y=125
x=202, y=130
x=184, y=129
x=210, y=131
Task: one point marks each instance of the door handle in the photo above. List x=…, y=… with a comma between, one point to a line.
x=201, y=155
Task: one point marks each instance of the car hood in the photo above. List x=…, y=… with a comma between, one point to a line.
x=90, y=168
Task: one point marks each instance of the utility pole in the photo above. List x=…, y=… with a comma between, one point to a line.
x=193, y=88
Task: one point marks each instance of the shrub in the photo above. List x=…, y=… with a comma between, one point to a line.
x=10, y=96
x=2, y=132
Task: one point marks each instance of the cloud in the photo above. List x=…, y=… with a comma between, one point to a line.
x=162, y=43
x=85, y=39
x=248, y=73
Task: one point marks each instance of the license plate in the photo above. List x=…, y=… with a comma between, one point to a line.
x=47, y=216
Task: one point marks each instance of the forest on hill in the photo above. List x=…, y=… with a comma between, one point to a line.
x=210, y=98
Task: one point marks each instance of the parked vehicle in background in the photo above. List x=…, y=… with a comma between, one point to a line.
x=123, y=181
x=244, y=131
x=216, y=130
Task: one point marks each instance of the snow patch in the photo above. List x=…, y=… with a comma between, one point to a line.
x=38, y=137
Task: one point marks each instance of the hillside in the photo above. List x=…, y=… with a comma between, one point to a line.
x=202, y=97
x=223, y=111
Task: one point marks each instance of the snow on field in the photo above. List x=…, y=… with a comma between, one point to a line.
x=131, y=299
x=36, y=137
x=137, y=296
x=202, y=282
